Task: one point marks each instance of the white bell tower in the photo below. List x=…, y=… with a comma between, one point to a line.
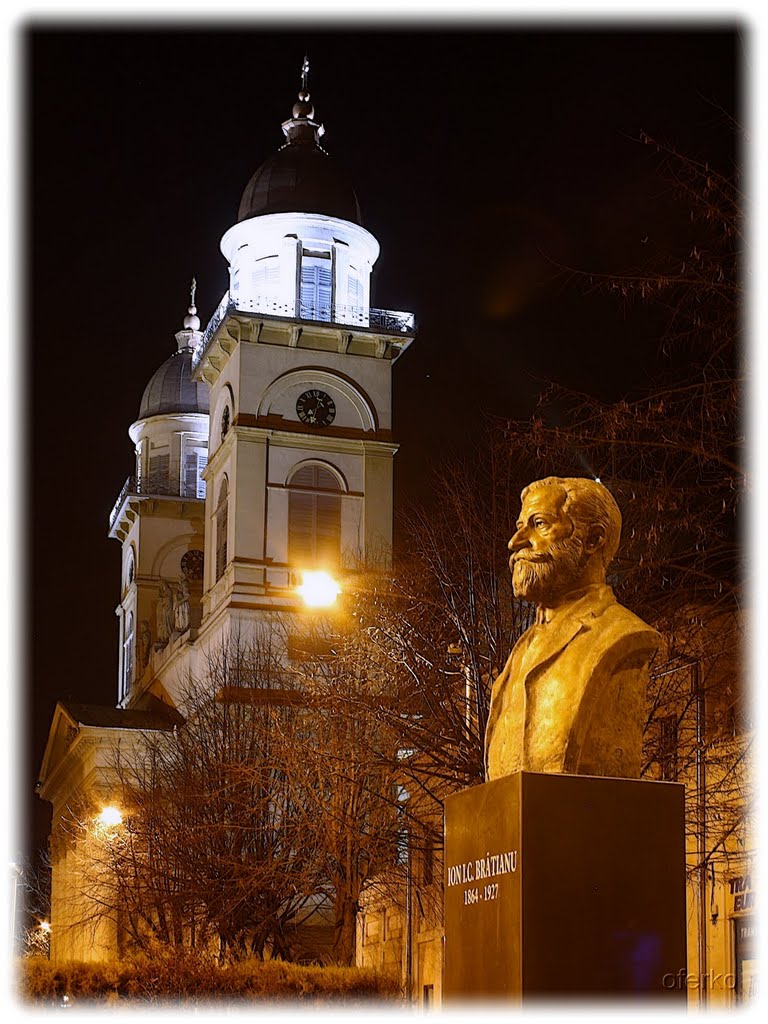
x=299, y=367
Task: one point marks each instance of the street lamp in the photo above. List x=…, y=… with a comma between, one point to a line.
x=318, y=589
x=110, y=817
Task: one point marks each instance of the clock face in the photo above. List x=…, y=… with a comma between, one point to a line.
x=316, y=408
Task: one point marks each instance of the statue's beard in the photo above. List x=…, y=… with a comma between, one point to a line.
x=544, y=579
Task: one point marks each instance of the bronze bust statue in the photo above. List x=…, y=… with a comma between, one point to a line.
x=570, y=698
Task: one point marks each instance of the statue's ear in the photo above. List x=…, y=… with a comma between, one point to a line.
x=595, y=538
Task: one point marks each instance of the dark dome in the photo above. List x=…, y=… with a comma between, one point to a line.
x=172, y=389
x=300, y=178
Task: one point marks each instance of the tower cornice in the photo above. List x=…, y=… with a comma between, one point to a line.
x=235, y=325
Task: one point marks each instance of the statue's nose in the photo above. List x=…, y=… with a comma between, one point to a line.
x=518, y=541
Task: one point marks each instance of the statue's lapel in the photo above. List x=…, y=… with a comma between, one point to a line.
x=552, y=638
x=549, y=642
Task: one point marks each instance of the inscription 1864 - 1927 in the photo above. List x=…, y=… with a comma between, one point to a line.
x=480, y=869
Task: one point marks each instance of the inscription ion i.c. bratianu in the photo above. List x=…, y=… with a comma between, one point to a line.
x=489, y=866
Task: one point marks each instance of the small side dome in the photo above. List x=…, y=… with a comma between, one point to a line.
x=171, y=389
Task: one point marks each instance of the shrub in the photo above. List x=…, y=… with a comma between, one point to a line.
x=184, y=976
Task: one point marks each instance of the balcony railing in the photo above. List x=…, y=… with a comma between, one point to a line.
x=149, y=485
x=390, y=320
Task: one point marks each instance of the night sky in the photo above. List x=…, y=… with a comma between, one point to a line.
x=489, y=164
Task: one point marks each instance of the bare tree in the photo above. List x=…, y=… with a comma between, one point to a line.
x=213, y=840
x=348, y=771
x=674, y=456
x=32, y=904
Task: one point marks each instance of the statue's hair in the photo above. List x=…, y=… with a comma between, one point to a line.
x=586, y=501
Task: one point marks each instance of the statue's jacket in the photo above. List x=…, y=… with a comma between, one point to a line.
x=571, y=697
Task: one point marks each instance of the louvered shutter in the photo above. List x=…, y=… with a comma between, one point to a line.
x=157, y=478
x=128, y=655
x=221, y=531
x=354, y=291
x=190, y=474
x=316, y=288
x=195, y=461
x=314, y=518
x=327, y=529
x=202, y=462
x=300, y=528
x=265, y=279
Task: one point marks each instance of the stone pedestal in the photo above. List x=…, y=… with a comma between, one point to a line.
x=565, y=886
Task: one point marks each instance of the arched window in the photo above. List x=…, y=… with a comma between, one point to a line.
x=314, y=518
x=127, y=655
x=221, y=529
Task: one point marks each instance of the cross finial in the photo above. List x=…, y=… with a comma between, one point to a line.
x=305, y=74
x=191, y=320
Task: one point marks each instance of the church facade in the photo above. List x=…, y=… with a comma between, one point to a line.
x=264, y=450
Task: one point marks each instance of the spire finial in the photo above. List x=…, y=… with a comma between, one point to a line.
x=302, y=127
x=192, y=320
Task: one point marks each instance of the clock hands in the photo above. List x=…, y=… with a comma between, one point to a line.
x=316, y=408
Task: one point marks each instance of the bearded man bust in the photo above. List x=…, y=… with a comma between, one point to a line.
x=571, y=696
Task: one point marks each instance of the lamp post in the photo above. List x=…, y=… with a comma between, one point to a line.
x=318, y=589
x=16, y=873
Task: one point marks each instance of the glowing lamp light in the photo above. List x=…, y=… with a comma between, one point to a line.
x=45, y=926
x=318, y=589
x=110, y=816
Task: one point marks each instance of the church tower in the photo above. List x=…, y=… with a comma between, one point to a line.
x=159, y=514
x=299, y=367
x=222, y=517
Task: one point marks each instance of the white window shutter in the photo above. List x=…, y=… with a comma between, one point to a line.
x=202, y=462
x=316, y=288
x=190, y=474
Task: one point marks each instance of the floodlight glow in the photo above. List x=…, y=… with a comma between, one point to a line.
x=45, y=926
x=110, y=816
x=318, y=589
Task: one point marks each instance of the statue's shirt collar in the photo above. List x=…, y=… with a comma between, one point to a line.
x=584, y=604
